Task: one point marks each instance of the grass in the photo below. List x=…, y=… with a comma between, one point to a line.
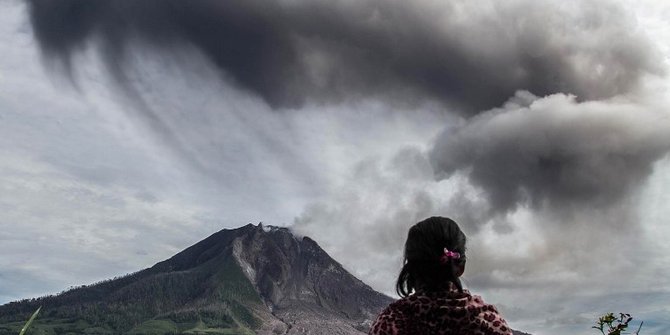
x=155, y=327
x=224, y=331
x=49, y=326
x=30, y=321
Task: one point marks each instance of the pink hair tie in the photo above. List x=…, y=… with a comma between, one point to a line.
x=449, y=254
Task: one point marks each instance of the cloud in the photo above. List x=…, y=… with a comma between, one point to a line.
x=556, y=153
x=58, y=231
x=370, y=212
x=583, y=141
x=469, y=55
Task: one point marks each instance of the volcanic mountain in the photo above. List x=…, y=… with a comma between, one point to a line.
x=250, y=280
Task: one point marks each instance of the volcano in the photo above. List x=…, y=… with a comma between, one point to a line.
x=252, y=280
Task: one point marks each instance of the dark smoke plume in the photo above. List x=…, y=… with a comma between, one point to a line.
x=583, y=146
x=470, y=55
x=555, y=153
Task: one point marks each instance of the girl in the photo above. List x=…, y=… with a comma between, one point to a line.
x=433, y=300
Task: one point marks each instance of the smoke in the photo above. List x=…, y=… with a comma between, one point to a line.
x=468, y=55
x=556, y=153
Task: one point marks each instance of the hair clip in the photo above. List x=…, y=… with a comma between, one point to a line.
x=449, y=254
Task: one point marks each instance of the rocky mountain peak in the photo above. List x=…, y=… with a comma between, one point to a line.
x=295, y=277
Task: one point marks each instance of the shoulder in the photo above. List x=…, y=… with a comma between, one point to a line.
x=449, y=313
x=391, y=318
x=488, y=319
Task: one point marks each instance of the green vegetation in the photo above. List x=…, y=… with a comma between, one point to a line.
x=30, y=321
x=212, y=297
x=161, y=327
x=609, y=324
x=201, y=290
x=221, y=320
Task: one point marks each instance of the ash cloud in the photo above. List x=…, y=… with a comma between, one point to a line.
x=555, y=153
x=468, y=55
x=585, y=138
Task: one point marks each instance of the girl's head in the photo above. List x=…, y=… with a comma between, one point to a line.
x=425, y=265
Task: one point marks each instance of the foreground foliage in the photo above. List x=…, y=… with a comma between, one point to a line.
x=609, y=324
x=30, y=321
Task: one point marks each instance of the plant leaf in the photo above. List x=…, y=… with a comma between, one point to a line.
x=25, y=328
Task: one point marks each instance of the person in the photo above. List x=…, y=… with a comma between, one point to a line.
x=433, y=300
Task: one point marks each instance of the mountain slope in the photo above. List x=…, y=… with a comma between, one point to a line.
x=248, y=280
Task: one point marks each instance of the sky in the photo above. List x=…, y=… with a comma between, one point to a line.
x=131, y=130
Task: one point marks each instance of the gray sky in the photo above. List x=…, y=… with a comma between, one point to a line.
x=132, y=132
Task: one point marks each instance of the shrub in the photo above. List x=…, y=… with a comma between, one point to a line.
x=609, y=324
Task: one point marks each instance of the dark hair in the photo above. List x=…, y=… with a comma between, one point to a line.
x=425, y=245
